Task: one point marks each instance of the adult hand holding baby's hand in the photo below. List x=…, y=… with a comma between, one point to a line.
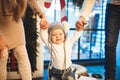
x=44, y=24
x=80, y=23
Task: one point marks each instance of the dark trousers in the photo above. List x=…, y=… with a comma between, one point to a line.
x=112, y=27
x=56, y=74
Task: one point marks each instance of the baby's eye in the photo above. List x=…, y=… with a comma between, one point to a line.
x=61, y=34
x=53, y=34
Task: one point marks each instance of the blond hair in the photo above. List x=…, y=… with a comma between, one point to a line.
x=17, y=7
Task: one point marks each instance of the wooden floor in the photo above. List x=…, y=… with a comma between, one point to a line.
x=92, y=70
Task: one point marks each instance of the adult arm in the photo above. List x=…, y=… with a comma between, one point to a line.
x=86, y=10
x=87, y=7
x=34, y=6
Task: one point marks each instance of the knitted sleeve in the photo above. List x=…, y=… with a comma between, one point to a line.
x=34, y=6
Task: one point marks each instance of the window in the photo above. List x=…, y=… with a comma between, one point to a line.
x=91, y=43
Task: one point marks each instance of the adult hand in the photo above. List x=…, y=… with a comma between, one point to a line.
x=44, y=24
x=3, y=45
x=80, y=23
x=42, y=15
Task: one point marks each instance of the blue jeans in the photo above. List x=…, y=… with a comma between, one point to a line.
x=55, y=74
x=112, y=27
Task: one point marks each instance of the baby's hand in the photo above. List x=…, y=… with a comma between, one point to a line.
x=44, y=24
x=79, y=28
x=80, y=23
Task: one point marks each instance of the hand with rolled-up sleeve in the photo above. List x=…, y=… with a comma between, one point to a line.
x=86, y=10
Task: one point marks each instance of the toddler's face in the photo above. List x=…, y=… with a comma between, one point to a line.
x=58, y=36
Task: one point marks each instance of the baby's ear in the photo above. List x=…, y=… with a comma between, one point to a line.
x=66, y=26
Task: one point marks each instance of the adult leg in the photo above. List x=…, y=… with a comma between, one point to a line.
x=23, y=62
x=112, y=31
x=3, y=63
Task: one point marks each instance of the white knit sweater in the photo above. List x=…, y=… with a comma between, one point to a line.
x=60, y=53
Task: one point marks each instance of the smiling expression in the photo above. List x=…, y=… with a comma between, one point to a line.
x=58, y=36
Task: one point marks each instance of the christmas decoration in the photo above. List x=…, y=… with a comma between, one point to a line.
x=47, y=3
x=30, y=23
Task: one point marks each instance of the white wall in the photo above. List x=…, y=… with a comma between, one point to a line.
x=118, y=52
